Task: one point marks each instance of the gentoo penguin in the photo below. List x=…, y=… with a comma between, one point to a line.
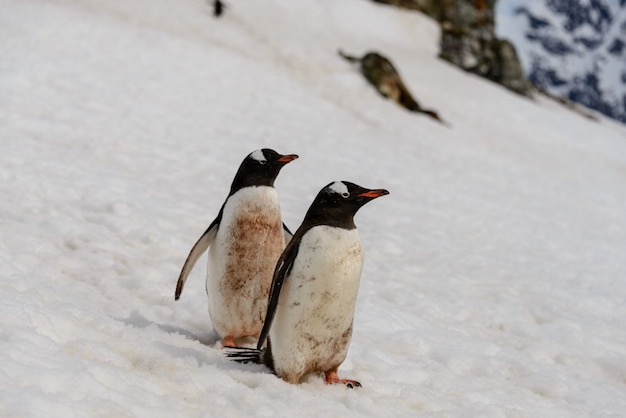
x=380, y=72
x=245, y=241
x=309, y=317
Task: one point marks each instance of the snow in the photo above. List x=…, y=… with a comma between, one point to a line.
x=493, y=281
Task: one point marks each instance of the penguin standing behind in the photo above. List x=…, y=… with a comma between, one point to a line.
x=245, y=240
x=310, y=313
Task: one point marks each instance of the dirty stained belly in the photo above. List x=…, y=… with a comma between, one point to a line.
x=313, y=324
x=241, y=264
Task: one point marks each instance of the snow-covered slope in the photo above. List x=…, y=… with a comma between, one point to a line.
x=572, y=48
x=494, y=272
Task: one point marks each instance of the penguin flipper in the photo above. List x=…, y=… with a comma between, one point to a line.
x=283, y=268
x=287, y=233
x=196, y=251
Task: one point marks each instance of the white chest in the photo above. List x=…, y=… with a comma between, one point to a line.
x=246, y=208
x=242, y=258
x=250, y=230
x=316, y=306
x=329, y=259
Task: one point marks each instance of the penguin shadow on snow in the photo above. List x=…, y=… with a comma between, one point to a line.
x=213, y=357
x=136, y=320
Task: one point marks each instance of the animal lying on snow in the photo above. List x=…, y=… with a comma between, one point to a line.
x=381, y=73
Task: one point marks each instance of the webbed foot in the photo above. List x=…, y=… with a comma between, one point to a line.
x=331, y=378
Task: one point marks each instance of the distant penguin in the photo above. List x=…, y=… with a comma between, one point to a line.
x=218, y=8
x=245, y=240
x=309, y=318
x=381, y=74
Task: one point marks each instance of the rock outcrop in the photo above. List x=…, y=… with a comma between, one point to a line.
x=468, y=39
x=574, y=49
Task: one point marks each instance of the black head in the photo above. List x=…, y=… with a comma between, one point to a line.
x=260, y=168
x=338, y=202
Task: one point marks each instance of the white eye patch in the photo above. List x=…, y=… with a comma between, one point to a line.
x=339, y=188
x=258, y=156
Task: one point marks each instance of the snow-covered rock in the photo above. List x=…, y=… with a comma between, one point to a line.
x=574, y=49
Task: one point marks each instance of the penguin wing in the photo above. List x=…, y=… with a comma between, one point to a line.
x=196, y=251
x=287, y=233
x=283, y=268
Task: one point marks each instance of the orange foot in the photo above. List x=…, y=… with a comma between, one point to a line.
x=332, y=378
x=229, y=341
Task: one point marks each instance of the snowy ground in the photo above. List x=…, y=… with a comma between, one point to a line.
x=494, y=273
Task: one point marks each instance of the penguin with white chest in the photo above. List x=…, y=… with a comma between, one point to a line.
x=308, y=325
x=245, y=240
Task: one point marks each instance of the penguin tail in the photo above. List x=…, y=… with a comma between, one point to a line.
x=434, y=115
x=347, y=57
x=245, y=355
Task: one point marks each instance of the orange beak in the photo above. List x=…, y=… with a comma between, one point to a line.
x=287, y=158
x=374, y=193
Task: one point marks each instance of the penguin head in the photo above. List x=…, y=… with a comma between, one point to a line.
x=260, y=168
x=338, y=202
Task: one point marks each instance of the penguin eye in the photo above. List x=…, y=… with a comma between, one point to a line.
x=345, y=195
x=263, y=162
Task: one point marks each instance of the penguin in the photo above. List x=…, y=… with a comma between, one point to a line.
x=383, y=76
x=310, y=312
x=218, y=8
x=245, y=240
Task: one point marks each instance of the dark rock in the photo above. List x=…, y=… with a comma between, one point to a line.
x=586, y=91
x=596, y=14
x=551, y=44
x=542, y=76
x=468, y=40
x=533, y=21
x=617, y=47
